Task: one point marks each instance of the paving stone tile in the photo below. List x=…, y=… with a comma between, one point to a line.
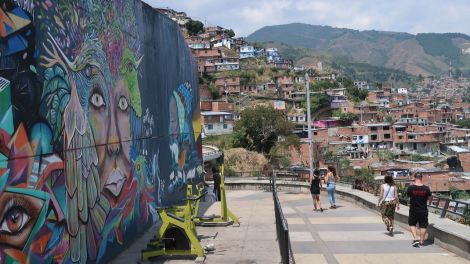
x=300, y=236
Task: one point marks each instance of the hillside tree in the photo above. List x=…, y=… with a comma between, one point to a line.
x=194, y=27
x=260, y=128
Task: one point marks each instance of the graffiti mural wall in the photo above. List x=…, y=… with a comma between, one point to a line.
x=99, y=124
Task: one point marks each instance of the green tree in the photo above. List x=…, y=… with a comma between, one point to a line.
x=260, y=128
x=317, y=102
x=365, y=175
x=465, y=123
x=356, y=95
x=347, y=83
x=194, y=27
x=345, y=167
x=230, y=33
x=321, y=85
x=389, y=119
x=214, y=91
x=347, y=118
x=420, y=78
x=454, y=192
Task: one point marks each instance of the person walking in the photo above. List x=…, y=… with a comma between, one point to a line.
x=330, y=179
x=420, y=196
x=315, y=187
x=388, y=202
x=217, y=180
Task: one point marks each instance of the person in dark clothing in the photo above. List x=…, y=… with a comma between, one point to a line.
x=217, y=180
x=315, y=186
x=420, y=196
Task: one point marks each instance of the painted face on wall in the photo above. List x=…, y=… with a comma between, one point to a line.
x=110, y=121
x=110, y=118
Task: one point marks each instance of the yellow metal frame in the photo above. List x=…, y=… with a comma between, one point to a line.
x=226, y=216
x=157, y=247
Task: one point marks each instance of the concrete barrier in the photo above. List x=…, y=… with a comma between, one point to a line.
x=443, y=232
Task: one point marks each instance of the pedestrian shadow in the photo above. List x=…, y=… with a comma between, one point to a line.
x=394, y=233
x=201, y=237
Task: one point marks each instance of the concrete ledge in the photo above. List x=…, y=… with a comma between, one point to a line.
x=443, y=232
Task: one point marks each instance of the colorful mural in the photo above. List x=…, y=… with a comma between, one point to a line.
x=99, y=124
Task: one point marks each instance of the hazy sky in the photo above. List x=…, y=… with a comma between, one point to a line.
x=246, y=16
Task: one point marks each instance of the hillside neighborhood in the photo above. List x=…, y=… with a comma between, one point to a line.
x=360, y=126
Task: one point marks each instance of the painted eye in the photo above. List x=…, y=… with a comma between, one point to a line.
x=88, y=71
x=14, y=221
x=97, y=100
x=123, y=104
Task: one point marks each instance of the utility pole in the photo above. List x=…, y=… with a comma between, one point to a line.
x=226, y=92
x=309, y=126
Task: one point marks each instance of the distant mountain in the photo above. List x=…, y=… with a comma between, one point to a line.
x=426, y=54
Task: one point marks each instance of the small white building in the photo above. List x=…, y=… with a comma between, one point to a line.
x=402, y=90
x=225, y=42
x=247, y=52
x=217, y=123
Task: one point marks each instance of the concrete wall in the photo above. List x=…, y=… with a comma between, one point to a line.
x=99, y=123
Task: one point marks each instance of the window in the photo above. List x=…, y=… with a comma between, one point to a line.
x=373, y=137
x=361, y=137
x=210, y=127
x=411, y=136
x=400, y=137
x=373, y=129
x=386, y=127
x=387, y=136
x=225, y=126
x=315, y=133
x=415, y=146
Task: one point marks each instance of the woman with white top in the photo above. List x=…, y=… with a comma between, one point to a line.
x=388, y=201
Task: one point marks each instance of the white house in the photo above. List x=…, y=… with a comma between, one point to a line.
x=217, y=123
x=402, y=90
x=247, y=52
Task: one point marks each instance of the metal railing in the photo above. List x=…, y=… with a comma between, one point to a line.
x=237, y=174
x=282, y=228
x=444, y=206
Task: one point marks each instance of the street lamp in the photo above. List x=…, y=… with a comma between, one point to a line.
x=309, y=126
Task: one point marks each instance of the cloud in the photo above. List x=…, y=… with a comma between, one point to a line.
x=246, y=16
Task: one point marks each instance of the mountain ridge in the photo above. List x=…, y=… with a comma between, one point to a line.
x=428, y=53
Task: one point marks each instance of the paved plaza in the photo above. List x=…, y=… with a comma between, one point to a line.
x=349, y=234
x=254, y=241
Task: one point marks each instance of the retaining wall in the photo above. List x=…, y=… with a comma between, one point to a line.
x=99, y=124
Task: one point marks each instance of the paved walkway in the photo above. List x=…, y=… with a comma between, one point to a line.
x=253, y=242
x=351, y=234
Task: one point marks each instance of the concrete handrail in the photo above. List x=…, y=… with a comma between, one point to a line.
x=445, y=233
